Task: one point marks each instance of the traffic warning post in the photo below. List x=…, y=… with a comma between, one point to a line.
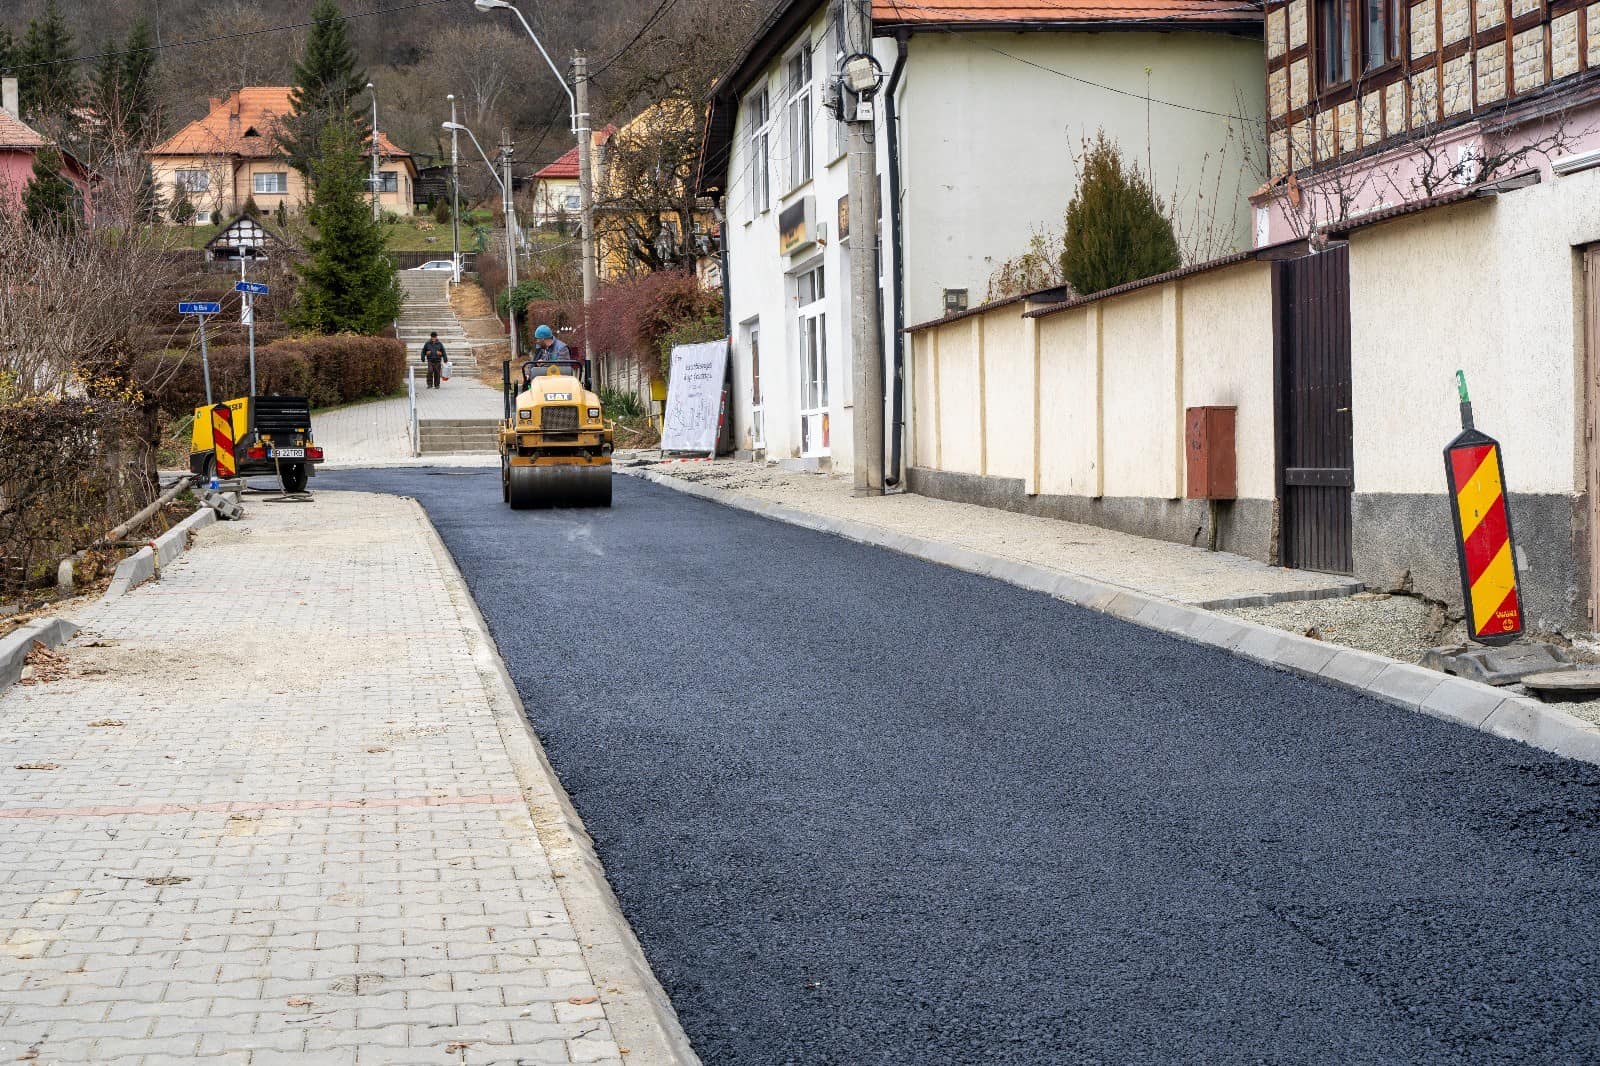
x=1487, y=554
x=222, y=439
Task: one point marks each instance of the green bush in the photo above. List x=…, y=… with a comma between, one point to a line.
x=525, y=293
x=1117, y=227
x=341, y=368
x=619, y=404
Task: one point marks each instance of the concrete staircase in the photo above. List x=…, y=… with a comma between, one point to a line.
x=427, y=310
x=457, y=436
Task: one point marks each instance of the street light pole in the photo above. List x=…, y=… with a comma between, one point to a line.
x=373, y=149
x=580, y=122
x=455, y=195
x=509, y=207
x=505, y=200
x=579, y=102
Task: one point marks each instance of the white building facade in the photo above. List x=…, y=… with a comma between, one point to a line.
x=988, y=113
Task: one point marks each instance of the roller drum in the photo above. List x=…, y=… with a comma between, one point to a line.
x=560, y=486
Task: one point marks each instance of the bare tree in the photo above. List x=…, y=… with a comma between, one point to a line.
x=646, y=210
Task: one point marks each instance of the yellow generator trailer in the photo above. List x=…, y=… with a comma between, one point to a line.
x=271, y=437
x=555, y=446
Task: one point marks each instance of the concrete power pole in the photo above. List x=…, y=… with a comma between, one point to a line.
x=580, y=81
x=866, y=332
x=455, y=194
x=509, y=207
x=373, y=180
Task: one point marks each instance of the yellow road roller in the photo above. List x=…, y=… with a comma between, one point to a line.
x=555, y=446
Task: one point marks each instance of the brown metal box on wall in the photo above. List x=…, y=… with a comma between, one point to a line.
x=1208, y=449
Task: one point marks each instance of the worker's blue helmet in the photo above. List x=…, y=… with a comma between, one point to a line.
x=544, y=333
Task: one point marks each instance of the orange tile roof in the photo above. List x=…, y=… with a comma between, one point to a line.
x=223, y=130
x=957, y=12
x=564, y=167
x=14, y=133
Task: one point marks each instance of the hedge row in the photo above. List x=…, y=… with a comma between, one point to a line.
x=328, y=370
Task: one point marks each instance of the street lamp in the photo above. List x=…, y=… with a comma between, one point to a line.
x=455, y=197
x=580, y=128
x=508, y=207
x=373, y=148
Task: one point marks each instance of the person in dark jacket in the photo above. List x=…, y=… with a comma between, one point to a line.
x=434, y=355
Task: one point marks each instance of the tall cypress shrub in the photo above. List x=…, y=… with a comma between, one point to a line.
x=348, y=284
x=326, y=81
x=1117, y=227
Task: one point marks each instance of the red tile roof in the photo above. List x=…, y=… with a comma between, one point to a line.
x=1012, y=12
x=14, y=133
x=564, y=168
x=224, y=129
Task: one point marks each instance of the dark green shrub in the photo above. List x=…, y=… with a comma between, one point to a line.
x=1117, y=228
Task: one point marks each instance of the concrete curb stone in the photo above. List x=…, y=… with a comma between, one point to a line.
x=641, y=1015
x=15, y=646
x=1469, y=703
x=147, y=563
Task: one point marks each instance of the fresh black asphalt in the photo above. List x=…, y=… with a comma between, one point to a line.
x=864, y=809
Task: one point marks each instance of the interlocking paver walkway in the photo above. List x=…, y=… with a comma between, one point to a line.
x=275, y=818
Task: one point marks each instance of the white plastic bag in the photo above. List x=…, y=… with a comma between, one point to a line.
x=444, y=371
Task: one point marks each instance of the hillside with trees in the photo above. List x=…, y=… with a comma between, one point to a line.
x=414, y=51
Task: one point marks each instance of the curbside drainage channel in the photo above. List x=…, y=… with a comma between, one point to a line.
x=1416, y=688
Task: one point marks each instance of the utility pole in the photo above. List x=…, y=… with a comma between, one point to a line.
x=861, y=78
x=580, y=80
x=373, y=181
x=455, y=195
x=510, y=210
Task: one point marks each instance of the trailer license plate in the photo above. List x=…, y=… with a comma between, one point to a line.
x=288, y=453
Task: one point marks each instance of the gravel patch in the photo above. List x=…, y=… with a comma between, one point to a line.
x=1401, y=627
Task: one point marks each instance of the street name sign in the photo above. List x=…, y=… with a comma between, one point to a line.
x=254, y=288
x=197, y=307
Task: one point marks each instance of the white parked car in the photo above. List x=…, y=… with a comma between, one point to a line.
x=436, y=264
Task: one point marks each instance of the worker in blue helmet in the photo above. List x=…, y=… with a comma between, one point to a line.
x=546, y=350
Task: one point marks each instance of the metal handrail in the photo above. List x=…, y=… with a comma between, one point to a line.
x=415, y=428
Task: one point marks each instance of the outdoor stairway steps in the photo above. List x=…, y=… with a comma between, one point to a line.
x=443, y=436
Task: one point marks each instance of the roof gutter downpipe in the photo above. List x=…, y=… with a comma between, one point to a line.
x=897, y=422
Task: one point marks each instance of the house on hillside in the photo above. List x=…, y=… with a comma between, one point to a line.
x=647, y=214
x=232, y=155
x=555, y=185
x=20, y=145
x=984, y=104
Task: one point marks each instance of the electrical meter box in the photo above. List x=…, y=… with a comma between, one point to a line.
x=1209, y=453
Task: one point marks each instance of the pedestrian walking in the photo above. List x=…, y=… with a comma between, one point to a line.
x=433, y=354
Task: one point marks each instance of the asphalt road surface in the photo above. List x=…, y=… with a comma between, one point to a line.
x=863, y=809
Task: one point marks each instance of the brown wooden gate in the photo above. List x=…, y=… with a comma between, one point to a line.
x=1315, y=456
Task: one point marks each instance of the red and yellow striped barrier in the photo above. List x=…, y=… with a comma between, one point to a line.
x=1489, y=582
x=222, y=440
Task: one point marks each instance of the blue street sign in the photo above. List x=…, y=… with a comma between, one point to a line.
x=199, y=308
x=254, y=288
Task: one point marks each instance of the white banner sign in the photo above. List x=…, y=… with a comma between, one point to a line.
x=694, y=397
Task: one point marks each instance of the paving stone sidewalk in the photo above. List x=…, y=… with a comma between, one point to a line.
x=378, y=433
x=1177, y=572
x=276, y=810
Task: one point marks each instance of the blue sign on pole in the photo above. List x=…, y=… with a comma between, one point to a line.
x=254, y=288
x=195, y=307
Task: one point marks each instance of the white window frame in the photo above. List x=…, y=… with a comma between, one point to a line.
x=388, y=181
x=798, y=140
x=280, y=183
x=758, y=422
x=758, y=153
x=811, y=350
x=838, y=138
x=191, y=180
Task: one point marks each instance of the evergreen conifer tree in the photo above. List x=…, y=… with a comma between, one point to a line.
x=10, y=51
x=348, y=282
x=326, y=82
x=49, y=80
x=1117, y=228
x=139, y=82
x=50, y=201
